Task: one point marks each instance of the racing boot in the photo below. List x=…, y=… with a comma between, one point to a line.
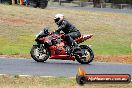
x=73, y=48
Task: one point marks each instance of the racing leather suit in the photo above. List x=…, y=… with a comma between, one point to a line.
x=71, y=32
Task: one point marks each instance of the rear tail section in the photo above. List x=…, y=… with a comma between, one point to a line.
x=83, y=38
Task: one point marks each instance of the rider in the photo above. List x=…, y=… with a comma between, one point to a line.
x=71, y=32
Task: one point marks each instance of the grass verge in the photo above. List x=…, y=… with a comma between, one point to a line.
x=16, y=81
x=18, y=26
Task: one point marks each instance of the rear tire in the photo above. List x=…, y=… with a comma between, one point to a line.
x=32, y=52
x=85, y=60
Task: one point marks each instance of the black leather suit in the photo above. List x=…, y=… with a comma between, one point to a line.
x=71, y=32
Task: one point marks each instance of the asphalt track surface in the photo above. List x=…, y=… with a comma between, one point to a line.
x=59, y=68
x=126, y=11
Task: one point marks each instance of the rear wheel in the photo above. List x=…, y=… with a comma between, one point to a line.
x=39, y=55
x=86, y=55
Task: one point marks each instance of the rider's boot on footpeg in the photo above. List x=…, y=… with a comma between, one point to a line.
x=74, y=47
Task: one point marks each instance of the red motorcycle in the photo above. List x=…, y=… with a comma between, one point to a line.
x=52, y=46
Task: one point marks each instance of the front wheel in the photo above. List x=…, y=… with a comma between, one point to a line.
x=86, y=55
x=39, y=54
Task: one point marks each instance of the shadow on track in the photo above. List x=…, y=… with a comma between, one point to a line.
x=61, y=62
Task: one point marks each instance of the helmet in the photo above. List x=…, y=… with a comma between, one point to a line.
x=58, y=18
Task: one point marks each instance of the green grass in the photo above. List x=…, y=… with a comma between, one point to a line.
x=19, y=25
x=50, y=82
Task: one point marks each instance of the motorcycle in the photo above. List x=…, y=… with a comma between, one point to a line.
x=51, y=46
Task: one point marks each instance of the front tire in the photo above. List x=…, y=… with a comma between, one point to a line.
x=45, y=54
x=88, y=53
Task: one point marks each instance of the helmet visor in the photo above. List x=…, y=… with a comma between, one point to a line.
x=56, y=20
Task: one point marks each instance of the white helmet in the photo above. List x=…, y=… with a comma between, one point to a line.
x=58, y=18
